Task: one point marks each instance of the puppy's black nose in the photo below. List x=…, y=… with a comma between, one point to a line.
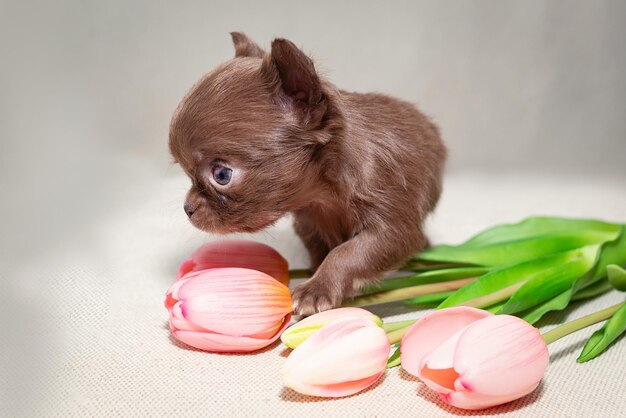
x=189, y=209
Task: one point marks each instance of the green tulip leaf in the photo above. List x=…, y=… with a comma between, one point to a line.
x=517, y=251
x=538, y=226
x=415, y=265
x=551, y=282
x=394, y=359
x=593, y=290
x=433, y=299
x=557, y=303
x=617, y=276
x=602, y=338
x=499, y=284
x=612, y=252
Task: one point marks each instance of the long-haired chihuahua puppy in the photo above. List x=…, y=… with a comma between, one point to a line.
x=263, y=135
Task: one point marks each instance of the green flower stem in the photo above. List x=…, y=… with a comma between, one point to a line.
x=493, y=297
x=299, y=273
x=422, y=266
x=407, y=293
x=396, y=335
x=580, y=323
x=393, y=326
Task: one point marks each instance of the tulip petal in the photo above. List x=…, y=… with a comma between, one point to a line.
x=432, y=330
x=339, y=343
x=172, y=292
x=337, y=390
x=436, y=369
x=220, y=343
x=341, y=358
x=238, y=253
x=361, y=353
x=186, y=267
x=169, y=301
x=443, y=356
x=269, y=332
x=234, y=301
x=303, y=329
x=473, y=400
x=171, y=296
x=179, y=322
x=439, y=380
x=493, y=350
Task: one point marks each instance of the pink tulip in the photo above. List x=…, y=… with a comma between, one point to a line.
x=300, y=331
x=228, y=309
x=342, y=358
x=237, y=253
x=475, y=359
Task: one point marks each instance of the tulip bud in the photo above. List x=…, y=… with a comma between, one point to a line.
x=300, y=331
x=475, y=359
x=340, y=359
x=228, y=309
x=237, y=253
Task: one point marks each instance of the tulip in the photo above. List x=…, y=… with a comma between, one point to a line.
x=475, y=359
x=228, y=309
x=300, y=331
x=237, y=253
x=340, y=359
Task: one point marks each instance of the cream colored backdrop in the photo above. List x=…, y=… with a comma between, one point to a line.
x=529, y=95
x=514, y=85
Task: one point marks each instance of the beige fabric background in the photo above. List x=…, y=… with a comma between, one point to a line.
x=94, y=340
x=529, y=96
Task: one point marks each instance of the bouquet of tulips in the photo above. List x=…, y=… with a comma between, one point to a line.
x=232, y=296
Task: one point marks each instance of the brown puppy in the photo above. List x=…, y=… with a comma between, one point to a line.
x=263, y=135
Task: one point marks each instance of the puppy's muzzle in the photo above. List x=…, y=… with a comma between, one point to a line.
x=189, y=209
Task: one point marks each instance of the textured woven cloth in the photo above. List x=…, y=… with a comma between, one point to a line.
x=92, y=336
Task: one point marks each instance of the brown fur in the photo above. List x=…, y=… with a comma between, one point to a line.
x=359, y=172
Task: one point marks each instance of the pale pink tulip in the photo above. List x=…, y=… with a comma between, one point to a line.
x=301, y=330
x=475, y=359
x=237, y=253
x=340, y=359
x=228, y=309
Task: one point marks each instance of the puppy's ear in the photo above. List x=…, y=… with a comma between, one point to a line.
x=245, y=47
x=298, y=80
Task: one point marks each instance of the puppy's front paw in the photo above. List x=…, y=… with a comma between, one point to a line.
x=316, y=295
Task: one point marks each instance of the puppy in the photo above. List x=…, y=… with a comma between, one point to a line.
x=264, y=134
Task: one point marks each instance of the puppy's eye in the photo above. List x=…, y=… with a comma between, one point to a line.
x=222, y=175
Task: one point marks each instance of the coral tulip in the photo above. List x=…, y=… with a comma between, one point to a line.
x=475, y=359
x=300, y=331
x=228, y=309
x=340, y=359
x=237, y=253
